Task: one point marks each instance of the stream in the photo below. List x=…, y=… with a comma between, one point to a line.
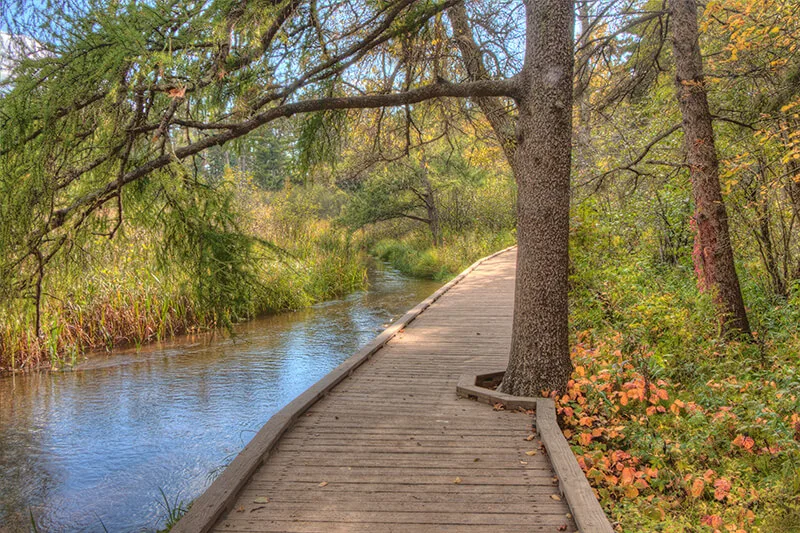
x=119, y=441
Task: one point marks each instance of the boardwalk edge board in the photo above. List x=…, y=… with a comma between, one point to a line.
x=585, y=509
x=221, y=494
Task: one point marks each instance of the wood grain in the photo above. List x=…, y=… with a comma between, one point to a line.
x=383, y=443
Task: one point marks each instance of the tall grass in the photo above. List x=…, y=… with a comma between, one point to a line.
x=124, y=292
x=415, y=256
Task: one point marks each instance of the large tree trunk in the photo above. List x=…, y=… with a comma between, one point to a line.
x=539, y=359
x=713, y=252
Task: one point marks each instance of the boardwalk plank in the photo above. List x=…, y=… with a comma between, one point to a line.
x=394, y=448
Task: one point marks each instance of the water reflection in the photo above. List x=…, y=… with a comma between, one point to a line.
x=93, y=448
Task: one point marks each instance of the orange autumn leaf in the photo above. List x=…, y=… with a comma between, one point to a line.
x=744, y=442
x=627, y=476
x=721, y=488
x=713, y=520
x=585, y=438
x=697, y=488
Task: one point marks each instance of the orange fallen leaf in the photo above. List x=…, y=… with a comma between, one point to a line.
x=697, y=488
x=721, y=488
x=323, y=484
x=627, y=476
x=713, y=520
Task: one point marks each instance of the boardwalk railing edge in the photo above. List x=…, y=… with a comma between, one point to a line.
x=222, y=493
x=583, y=504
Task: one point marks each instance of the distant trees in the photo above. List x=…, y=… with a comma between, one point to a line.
x=405, y=190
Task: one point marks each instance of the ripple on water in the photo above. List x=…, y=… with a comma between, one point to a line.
x=95, y=447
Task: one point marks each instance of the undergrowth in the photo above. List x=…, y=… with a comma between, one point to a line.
x=676, y=430
x=414, y=255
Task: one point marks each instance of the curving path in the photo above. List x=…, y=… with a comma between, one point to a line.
x=391, y=448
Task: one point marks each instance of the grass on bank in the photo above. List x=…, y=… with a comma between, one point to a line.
x=415, y=256
x=124, y=292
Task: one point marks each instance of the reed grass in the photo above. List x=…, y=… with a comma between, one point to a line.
x=122, y=295
x=414, y=255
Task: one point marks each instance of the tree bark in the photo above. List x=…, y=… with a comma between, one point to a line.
x=713, y=253
x=539, y=359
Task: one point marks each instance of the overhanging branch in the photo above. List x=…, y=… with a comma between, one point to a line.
x=481, y=88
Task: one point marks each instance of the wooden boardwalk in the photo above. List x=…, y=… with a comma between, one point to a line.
x=391, y=448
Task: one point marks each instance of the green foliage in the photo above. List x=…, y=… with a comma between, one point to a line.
x=677, y=430
x=414, y=256
x=201, y=258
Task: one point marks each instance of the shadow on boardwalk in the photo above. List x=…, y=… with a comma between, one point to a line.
x=391, y=448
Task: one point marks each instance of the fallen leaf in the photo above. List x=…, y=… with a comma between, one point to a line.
x=323, y=484
x=530, y=453
x=499, y=406
x=562, y=527
x=523, y=462
x=555, y=497
x=261, y=500
x=530, y=437
x=721, y=488
x=713, y=520
x=457, y=480
x=240, y=510
x=697, y=488
x=627, y=476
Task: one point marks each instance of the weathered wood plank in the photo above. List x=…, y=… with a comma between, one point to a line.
x=386, y=445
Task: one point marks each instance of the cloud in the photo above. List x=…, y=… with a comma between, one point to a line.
x=14, y=48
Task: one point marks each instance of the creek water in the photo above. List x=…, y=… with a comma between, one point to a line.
x=111, y=445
